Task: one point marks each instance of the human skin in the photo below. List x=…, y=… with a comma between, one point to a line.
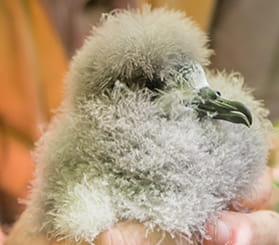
x=232, y=228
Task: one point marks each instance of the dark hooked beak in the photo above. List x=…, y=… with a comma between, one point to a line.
x=209, y=102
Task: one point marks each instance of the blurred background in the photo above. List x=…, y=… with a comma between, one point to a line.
x=39, y=37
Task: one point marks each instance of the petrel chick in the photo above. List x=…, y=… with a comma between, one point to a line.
x=147, y=133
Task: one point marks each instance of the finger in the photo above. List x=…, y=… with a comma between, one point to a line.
x=258, y=228
x=275, y=174
x=137, y=234
x=274, y=200
x=2, y=237
x=265, y=224
x=262, y=193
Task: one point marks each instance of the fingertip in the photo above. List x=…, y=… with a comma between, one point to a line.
x=231, y=228
x=218, y=233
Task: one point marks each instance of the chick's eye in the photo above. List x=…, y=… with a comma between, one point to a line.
x=212, y=94
x=217, y=93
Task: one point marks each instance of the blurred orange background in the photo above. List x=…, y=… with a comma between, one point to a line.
x=38, y=38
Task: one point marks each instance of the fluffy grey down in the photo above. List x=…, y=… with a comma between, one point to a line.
x=114, y=153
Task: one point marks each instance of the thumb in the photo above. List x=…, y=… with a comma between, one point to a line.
x=258, y=228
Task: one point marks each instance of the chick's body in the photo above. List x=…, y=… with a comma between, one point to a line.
x=127, y=145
